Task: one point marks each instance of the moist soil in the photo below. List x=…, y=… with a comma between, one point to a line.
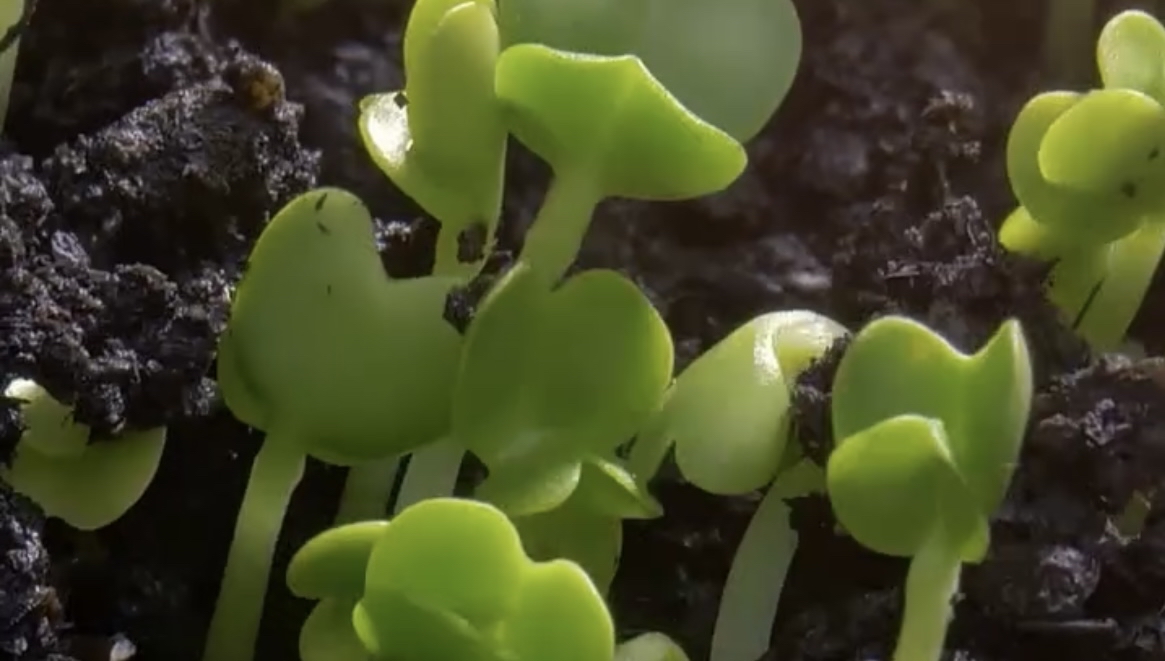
x=150, y=140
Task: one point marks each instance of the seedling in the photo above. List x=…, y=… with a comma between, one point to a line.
x=926, y=442
x=331, y=359
x=448, y=580
x=1089, y=173
x=728, y=417
x=442, y=139
x=87, y=485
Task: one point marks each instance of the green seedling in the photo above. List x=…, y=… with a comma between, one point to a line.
x=14, y=18
x=446, y=580
x=332, y=359
x=1089, y=173
x=608, y=129
x=442, y=139
x=926, y=442
x=550, y=384
x=87, y=485
x=730, y=62
x=729, y=420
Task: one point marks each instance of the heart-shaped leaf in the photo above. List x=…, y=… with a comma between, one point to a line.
x=448, y=554
x=1108, y=142
x=559, y=374
x=609, y=116
x=969, y=411
x=577, y=533
x=96, y=486
x=1080, y=217
x=1131, y=54
x=357, y=365
x=728, y=411
x=334, y=563
x=443, y=141
x=731, y=62
x=558, y=615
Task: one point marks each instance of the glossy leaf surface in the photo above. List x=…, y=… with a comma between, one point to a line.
x=921, y=425
x=731, y=62
x=609, y=115
x=1131, y=54
x=322, y=342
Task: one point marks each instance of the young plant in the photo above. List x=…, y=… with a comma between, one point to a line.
x=1089, y=173
x=87, y=485
x=728, y=417
x=926, y=442
x=331, y=359
x=448, y=580
x=14, y=18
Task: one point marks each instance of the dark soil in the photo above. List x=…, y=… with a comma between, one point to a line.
x=143, y=158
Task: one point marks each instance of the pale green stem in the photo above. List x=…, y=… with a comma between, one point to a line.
x=749, y=602
x=432, y=473
x=931, y=584
x=367, y=491
x=1132, y=262
x=234, y=628
x=651, y=445
x=1069, y=42
x=554, y=240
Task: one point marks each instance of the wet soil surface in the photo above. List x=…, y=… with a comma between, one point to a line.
x=142, y=158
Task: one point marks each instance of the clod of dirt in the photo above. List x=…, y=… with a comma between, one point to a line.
x=30, y=614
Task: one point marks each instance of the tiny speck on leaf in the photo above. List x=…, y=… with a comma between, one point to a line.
x=1154, y=153
x=1129, y=189
x=320, y=201
x=400, y=100
x=323, y=228
x=471, y=243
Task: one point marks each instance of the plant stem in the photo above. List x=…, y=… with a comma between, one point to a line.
x=367, y=490
x=1068, y=40
x=11, y=13
x=748, y=604
x=275, y=474
x=432, y=473
x=554, y=240
x=1132, y=262
x=931, y=583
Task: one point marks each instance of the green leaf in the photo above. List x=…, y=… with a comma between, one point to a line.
x=391, y=626
x=559, y=375
x=558, y=615
x=49, y=428
x=359, y=365
x=610, y=115
x=728, y=411
x=93, y=488
x=609, y=488
x=334, y=562
x=1080, y=217
x=898, y=367
x=731, y=62
x=1131, y=264
x=884, y=481
x=448, y=555
x=521, y=488
x=443, y=141
x=1109, y=142
x=328, y=635
x=577, y=533
x=1131, y=53
x=650, y=647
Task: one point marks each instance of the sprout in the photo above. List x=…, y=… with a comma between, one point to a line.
x=926, y=441
x=446, y=580
x=1088, y=172
x=442, y=139
x=728, y=416
x=87, y=485
x=331, y=359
